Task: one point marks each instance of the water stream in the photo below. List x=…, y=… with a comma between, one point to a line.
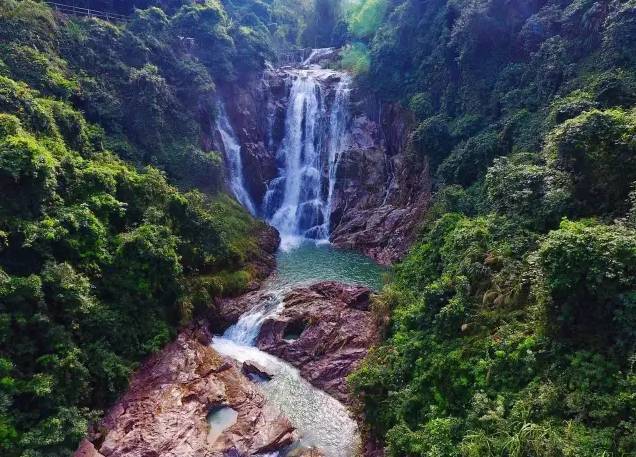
x=322, y=421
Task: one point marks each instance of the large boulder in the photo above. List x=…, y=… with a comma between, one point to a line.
x=164, y=412
x=325, y=330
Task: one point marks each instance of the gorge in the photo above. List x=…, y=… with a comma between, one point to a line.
x=317, y=228
x=310, y=390
x=325, y=161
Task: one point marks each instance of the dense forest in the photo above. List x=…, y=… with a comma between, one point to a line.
x=113, y=229
x=510, y=326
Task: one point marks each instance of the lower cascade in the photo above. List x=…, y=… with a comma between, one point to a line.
x=322, y=421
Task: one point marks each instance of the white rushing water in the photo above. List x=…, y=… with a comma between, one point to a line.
x=321, y=421
x=298, y=202
x=245, y=331
x=232, y=149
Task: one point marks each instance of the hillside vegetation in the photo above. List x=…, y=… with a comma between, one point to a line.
x=107, y=242
x=512, y=320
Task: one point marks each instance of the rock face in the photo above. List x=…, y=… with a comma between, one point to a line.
x=378, y=197
x=263, y=262
x=325, y=330
x=164, y=412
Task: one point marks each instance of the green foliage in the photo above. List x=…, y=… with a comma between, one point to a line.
x=517, y=187
x=598, y=149
x=432, y=139
x=590, y=276
x=506, y=342
x=355, y=59
x=365, y=16
x=101, y=260
x=511, y=328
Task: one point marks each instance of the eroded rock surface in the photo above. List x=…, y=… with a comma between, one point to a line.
x=325, y=330
x=379, y=197
x=164, y=412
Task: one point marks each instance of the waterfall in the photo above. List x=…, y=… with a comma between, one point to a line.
x=298, y=201
x=232, y=149
x=337, y=138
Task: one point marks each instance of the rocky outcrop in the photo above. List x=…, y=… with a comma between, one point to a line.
x=164, y=412
x=254, y=369
x=263, y=261
x=379, y=197
x=325, y=330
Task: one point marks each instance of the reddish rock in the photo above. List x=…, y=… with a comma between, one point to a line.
x=325, y=330
x=164, y=412
x=379, y=196
x=366, y=231
x=86, y=449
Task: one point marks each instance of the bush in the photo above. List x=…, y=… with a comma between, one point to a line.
x=533, y=192
x=28, y=176
x=597, y=148
x=432, y=140
x=590, y=276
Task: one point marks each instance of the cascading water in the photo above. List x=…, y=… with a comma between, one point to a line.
x=298, y=202
x=232, y=149
x=337, y=138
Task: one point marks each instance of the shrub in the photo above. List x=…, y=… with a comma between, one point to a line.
x=519, y=188
x=597, y=148
x=432, y=140
x=590, y=275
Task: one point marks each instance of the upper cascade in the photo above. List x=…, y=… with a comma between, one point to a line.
x=298, y=200
x=297, y=194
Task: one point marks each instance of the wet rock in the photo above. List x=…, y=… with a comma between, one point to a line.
x=379, y=196
x=251, y=368
x=325, y=330
x=365, y=230
x=164, y=412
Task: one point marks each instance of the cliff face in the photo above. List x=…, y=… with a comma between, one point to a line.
x=377, y=197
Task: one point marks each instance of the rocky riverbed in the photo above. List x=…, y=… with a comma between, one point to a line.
x=165, y=410
x=324, y=330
